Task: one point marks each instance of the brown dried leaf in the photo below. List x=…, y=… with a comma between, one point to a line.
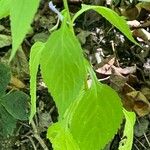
x=146, y=92
x=127, y=88
x=105, y=66
x=133, y=80
x=137, y=102
x=108, y=68
x=141, y=33
x=131, y=13
x=134, y=24
x=16, y=83
x=145, y=5
x=125, y=71
x=117, y=81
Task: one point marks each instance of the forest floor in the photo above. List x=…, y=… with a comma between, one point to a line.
x=117, y=62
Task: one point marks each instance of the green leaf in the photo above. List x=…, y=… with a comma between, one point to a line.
x=7, y=122
x=34, y=62
x=111, y=16
x=96, y=118
x=127, y=139
x=21, y=14
x=15, y=103
x=5, y=76
x=61, y=138
x=62, y=66
x=5, y=8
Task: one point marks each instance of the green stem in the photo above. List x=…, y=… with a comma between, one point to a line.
x=68, y=14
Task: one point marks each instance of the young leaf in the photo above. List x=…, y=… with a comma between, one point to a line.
x=96, y=118
x=21, y=14
x=61, y=138
x=5, y=8
x=62, y=66
x=34, y=62
x=127, y=140
x=111, y=16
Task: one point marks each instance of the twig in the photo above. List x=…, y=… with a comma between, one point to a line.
x=103, y=79
x=136, y=147
x=39, y=139
x=31, y=140
x=147, y=140
x=52, y=109
x=140, y=143
x=115, y=53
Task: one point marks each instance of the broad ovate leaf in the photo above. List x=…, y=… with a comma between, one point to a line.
x=4, y=8
x=34, y=62
x=62, y=66
x=15, y=103
x=111, y=16
x=7, y=122
x=21, y=15
x=97, y=117
x=127, y=139
x=61, y=138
